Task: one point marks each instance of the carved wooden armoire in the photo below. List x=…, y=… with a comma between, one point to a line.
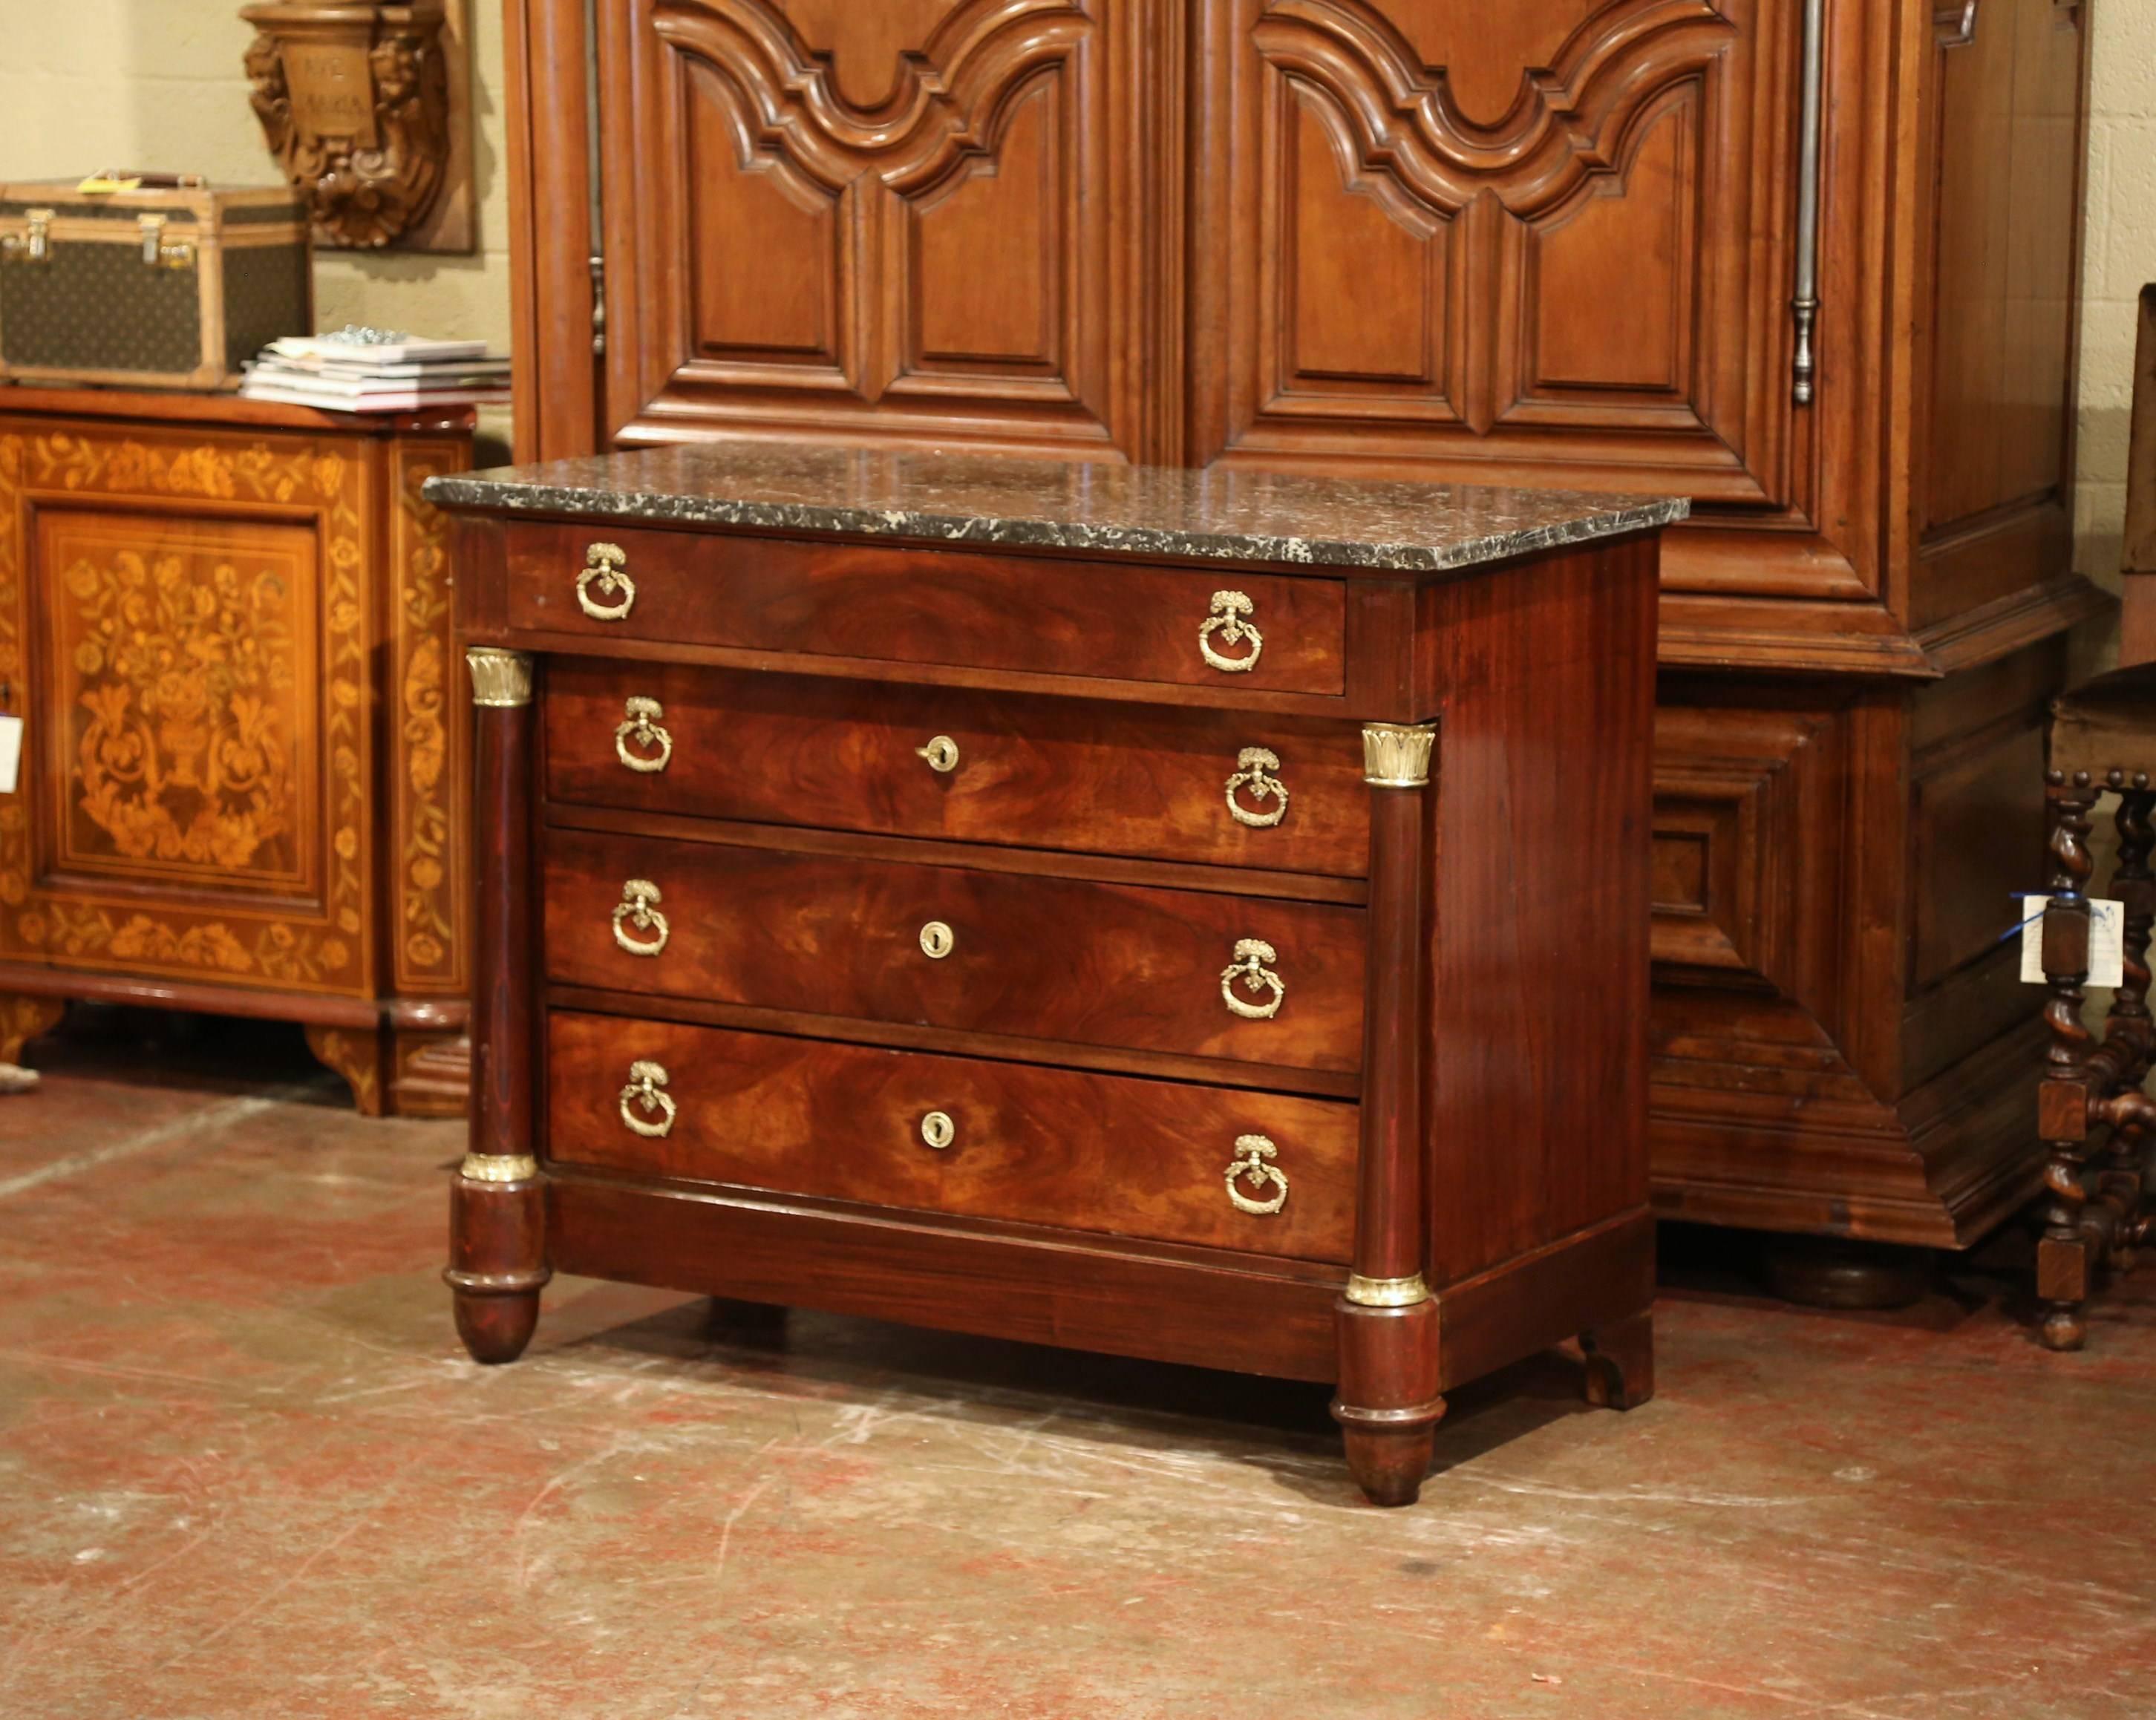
x=1812, y=263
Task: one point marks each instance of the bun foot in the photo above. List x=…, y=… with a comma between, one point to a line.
x=1388, y=1405
x=497, y=1254
x=2065, y=1329
x=1388, y=1451
x=495, y=1325
x=1621, y=1362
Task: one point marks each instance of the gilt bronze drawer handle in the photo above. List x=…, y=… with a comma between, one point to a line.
x=1252, y=955
x=942, y=754
x=641, y=725
x=639, y=908
x=937, y=1129
x=1228, y=609
x=937, y=940
x=1252, y=1164
x=603, y=574
x=1254, y=766
x=645, y=1090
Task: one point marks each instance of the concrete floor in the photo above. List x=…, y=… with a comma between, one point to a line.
x=245, y=1471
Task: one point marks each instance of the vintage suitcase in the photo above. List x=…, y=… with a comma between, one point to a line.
x=170, y=284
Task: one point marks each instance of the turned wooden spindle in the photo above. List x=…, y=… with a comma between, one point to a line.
x=497, y=1208
x=1389, y=1405
x=2063, y=1254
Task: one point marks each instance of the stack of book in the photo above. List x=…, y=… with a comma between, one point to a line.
x=376, y=370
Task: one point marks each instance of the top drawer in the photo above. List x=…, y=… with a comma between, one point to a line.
x=956, y=608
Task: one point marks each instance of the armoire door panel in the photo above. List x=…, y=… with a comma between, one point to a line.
x=1558, y=249
x=924, y=220
x=789, y=310
x=1582, y=344
x=1364, y=297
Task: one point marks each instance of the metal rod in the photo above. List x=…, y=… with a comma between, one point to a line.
x=1806, y=302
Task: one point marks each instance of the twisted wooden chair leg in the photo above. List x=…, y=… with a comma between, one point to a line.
x=2064, y=1255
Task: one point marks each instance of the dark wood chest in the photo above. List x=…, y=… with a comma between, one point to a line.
x=1194, y=919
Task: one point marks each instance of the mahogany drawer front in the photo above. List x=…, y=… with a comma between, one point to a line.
x=1083, y=1151
x=1254, y=979
x=956, y=608
x=1090, y=776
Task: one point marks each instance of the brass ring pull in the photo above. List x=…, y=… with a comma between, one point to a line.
x=1254, y=766
x=646, y=1092
x=1252, y=955
x=1251, y=1164
x=937, y=1130
x=1228, y=609
x=638, y=908
x=640, y=725
x=942, y=754
x=603, y=573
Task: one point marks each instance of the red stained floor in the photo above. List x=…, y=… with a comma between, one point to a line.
x=245, y=1471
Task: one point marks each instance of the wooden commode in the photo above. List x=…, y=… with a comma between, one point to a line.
x=1192, y=916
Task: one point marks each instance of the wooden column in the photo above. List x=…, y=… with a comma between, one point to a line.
x=2064, y=1256
x=1387, y=1405
x=497, y=1203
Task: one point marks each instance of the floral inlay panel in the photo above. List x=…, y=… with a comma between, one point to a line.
x=182, y=666
x=221, y=722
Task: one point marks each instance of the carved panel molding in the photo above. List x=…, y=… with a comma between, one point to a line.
x=1567, y=123
x=947, y=229
x=1561, y=267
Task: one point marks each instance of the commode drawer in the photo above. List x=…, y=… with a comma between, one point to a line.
x=1188, y=972
x=1223, y=788
x=1249, y=631
x=1253, y=1171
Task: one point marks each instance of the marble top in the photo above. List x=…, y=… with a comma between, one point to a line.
x=1225, y=514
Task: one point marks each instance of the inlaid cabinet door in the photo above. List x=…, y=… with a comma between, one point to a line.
x=184, y=626
x=1544, y=241
x=924, y=220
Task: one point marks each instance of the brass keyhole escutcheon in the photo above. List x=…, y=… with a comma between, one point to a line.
x=937, y=1130
x=942, y=754
x=937, y=940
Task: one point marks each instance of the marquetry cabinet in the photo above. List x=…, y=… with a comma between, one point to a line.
x=1812, y=263
x=227, y=628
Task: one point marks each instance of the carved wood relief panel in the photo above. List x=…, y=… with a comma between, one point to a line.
x=848, y=220
x=1539, y=232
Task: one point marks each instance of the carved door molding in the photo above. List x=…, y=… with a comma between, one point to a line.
x=933, y=222
x=1541, y=241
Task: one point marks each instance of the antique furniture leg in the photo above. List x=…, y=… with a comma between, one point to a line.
x=1389, y=1404
x=22, y=1018
x=1620, y=1362
x=497, y=1206
x=430, y=1073
x=2063, y=1255
x=357, y=1053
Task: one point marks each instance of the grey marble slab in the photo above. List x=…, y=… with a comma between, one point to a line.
x=1235, y=514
